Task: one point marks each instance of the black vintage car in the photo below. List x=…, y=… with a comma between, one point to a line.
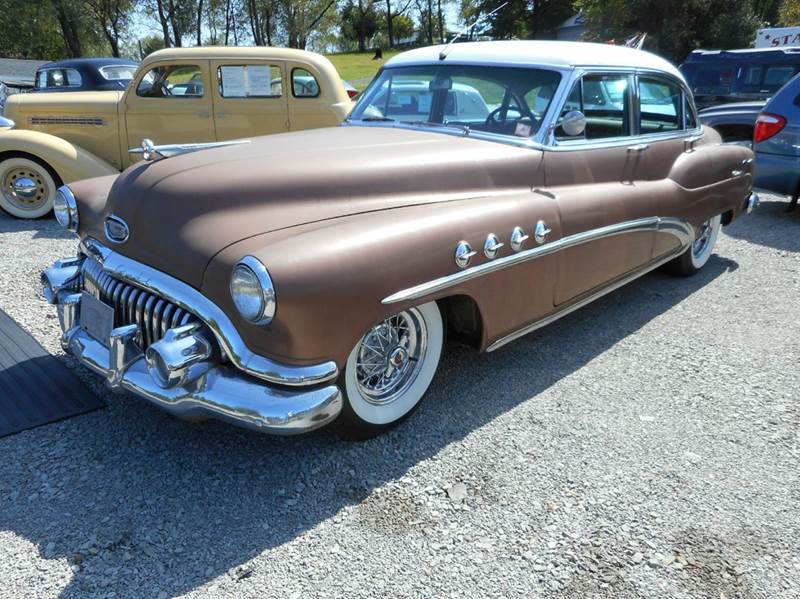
x=85, y=74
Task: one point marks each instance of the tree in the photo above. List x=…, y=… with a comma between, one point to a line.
x=523, y=19
x=359, y=22
x=674, y=27
x=299, y=19
x=113, y=17
x=789, y=14
x=262, y=18
x=392, y=17
x=68, y=18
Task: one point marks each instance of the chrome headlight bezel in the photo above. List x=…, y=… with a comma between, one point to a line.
x=252, y=291
x=65, y=209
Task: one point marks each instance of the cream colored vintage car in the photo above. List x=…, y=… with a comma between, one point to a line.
x=178, y=96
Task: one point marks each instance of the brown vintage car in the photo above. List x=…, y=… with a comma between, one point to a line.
x=480, y=191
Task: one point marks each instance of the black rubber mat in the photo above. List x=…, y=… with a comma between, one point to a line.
x=35, y=387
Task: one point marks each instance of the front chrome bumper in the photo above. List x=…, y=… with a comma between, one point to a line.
x=222, y=392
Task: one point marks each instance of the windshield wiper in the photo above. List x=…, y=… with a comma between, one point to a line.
x=375, y=119
x=464, y=128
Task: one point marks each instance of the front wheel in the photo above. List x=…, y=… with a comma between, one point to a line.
x=28, y=187
x=389, y=371
x=697, y=254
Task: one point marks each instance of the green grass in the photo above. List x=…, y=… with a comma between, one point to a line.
x=358, y=67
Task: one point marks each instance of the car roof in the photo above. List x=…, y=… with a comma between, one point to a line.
x=749, y=54
x=538, y=53
x=95, y=62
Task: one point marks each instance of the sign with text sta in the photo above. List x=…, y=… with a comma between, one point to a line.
x=778, y=37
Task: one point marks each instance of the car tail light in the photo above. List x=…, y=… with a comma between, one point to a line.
x=767, y=125
x=352, y=93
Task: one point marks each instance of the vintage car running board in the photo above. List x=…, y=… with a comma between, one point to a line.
x=682, y=230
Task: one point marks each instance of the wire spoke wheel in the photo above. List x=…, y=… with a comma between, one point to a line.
x=389, y=356
x=390, y=369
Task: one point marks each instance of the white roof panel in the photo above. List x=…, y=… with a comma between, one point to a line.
x=532, y=53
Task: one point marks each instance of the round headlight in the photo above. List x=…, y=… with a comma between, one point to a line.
x=252, y=291
x=65, y=208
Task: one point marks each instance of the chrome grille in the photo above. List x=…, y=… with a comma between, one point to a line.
x=133, y=305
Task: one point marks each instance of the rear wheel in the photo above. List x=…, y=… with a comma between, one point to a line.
x=697, y=254
x=28, y=187
x=389, y=371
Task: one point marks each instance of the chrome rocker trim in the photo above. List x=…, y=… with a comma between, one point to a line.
x=193, y=301
x=588, y=298
x=682, y=230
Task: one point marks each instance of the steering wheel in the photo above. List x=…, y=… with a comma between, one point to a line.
x=493, y=120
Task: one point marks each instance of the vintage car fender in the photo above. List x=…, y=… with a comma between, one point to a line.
x=386, y=252
x=70, y=162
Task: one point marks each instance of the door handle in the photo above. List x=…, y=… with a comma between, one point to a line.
x=541, y=231
x=204, y=115
x=223, y=115
x=638, y=148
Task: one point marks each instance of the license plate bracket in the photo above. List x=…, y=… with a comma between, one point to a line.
x=97, y=318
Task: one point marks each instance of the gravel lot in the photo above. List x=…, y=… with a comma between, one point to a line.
x=644, y=446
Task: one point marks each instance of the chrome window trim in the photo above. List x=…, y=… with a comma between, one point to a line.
x=679, y=228
x=188, y=298
x=550, y=143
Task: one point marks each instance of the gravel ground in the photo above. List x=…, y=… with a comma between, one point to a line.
x=644, y=446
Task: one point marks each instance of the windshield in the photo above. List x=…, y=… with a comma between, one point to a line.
x=499, y=100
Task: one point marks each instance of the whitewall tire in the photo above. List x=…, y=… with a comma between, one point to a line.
x=697, y=254
x=390, y=369
x=28, y=188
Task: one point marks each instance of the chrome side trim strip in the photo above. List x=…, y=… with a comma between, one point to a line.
x=586, y=300
x=193, y=301
x=677, y=227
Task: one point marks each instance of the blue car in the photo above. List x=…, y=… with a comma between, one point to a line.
x=85, y=74
x=721, y=76
x=776, y=142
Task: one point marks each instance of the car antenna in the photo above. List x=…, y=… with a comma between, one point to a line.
x=467, y=29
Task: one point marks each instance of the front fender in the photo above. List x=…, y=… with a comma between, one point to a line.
x=331, y=277
x=70, y=162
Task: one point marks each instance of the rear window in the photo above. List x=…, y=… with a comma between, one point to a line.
x=766, y=79
x=713, y=80
x=117, y=72
x=58, y=78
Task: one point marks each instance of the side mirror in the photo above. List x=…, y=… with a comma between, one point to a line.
x=573, y=123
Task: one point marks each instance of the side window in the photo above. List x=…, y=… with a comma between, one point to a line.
x=603, y=99
x=659, y=105
x=689, y=117
x=174, y=81
x=250, y=81
x=304, y=84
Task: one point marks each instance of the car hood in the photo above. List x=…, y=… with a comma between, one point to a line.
x=87, y=104
x=181, y=211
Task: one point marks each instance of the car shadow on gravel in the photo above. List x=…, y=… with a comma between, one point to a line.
x=139, y=503
x=45, y=227
x=770, y=225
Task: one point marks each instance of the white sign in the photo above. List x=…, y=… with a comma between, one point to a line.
x=778, y=37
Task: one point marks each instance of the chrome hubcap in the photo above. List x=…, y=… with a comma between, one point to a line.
x=390, y=357
x=703, y=237
x=24, y=188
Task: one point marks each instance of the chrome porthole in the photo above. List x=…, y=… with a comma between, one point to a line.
x=518, y=238
x=492, y=246
x=390, y=357
x=464, y=254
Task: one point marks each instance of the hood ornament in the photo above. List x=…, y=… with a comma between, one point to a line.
x=151, y=152
x=116, y=229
